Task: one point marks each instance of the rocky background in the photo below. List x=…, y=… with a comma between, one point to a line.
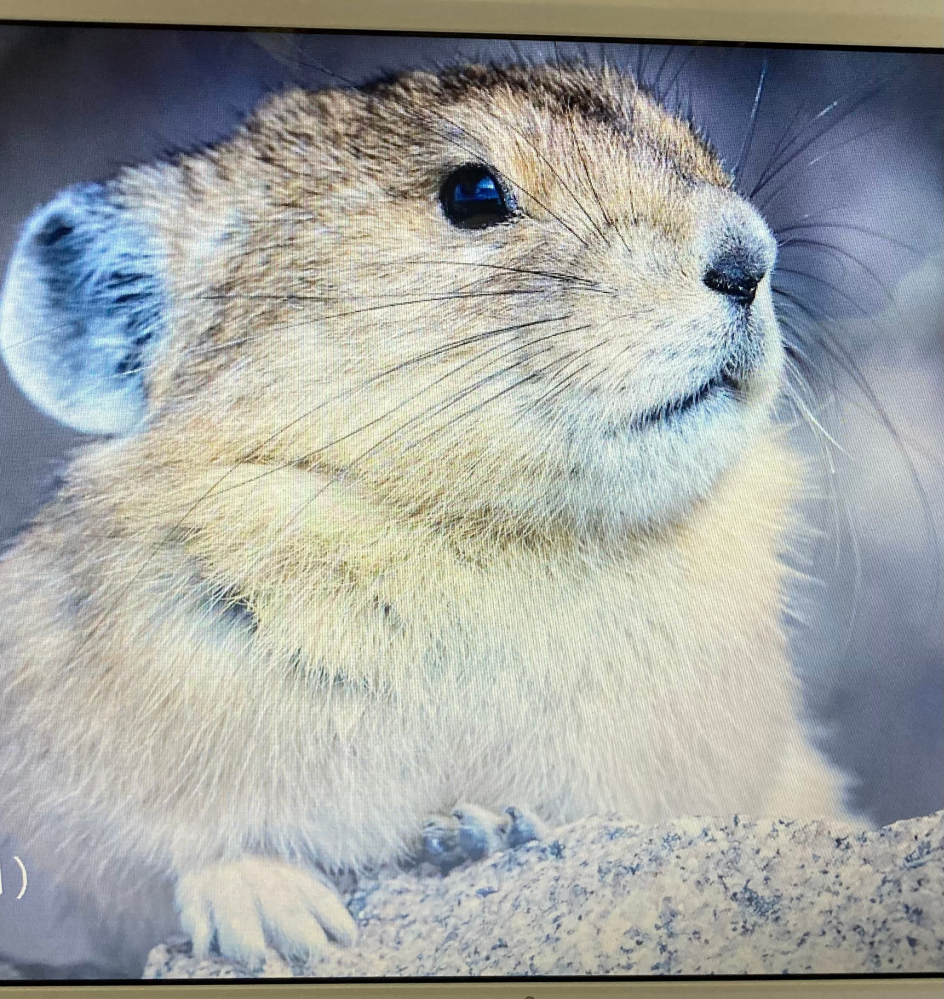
x=692, y=897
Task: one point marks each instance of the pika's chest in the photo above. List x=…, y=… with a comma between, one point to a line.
x=565, y=683
x=650, y=625
x=388, y=611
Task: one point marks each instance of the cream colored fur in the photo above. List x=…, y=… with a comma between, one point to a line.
x=463, y=585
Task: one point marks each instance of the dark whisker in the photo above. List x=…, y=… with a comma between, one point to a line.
x=787, y=136
x=857, y=100
x=676, y=77
x=582, y=157
x=588, y=283
x=307, y=457
x=667, y=58
x=529, y=377
x=466, y=341
x=554, y=171
x=402, y=303
x=834, y=248
x=642, y=59
x=508, y=180
x=557, y=385
x=289, y=297
x=787, y=184
x=851, y=227
x=816, y=279
x=575, y=279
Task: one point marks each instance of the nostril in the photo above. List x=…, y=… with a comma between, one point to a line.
x=734, y=277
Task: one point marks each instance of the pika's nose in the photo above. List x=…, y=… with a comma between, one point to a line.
x=735, y=276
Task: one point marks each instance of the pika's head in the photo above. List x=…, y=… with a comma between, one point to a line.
x=516, y=297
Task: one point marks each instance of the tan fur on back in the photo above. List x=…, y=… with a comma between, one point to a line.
x=363, y=562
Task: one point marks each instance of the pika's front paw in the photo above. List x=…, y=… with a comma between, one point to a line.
x=245, y=905
x=472, y=833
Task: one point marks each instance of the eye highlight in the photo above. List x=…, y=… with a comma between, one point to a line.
x=472, y=198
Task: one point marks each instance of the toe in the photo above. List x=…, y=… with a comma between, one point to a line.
x=330, y=911
x=195, y=918
x=480, y=832
x=237, y=914
x=295, y=930
x=522, y=827
x=441, y=842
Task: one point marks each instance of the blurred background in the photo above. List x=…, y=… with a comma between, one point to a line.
x=844, y=156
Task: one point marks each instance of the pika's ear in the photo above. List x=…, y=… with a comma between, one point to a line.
x=81, y=313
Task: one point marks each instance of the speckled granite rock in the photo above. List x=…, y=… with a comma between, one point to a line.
x=689, y=897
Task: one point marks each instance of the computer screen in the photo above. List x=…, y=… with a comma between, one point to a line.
x=470, y=506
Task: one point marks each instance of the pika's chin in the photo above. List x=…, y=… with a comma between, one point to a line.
x=648, y=469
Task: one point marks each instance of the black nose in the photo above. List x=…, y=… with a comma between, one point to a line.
x=735, y=277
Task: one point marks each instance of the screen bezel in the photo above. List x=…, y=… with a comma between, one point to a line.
x=873, y=23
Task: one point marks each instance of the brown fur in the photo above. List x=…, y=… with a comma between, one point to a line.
x=351, y=573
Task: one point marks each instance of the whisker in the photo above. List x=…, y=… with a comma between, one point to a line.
x=579, y=282
x=588, y=283
x=400, y=303
x=826, y=154
x=434, y=411
x=855, y=102
x=554, y=171
x=423, y=416
x=843, y=252
x=509, y=180
x=786, y=138
x=309, y=456
x=782, y=292
x=642, y=61
x=214, y=488
x=752, y=124
x=851, y=227
x=667, y=58
x=840, y=359
x=558, y=385
x=582, y=158
x=676, y=77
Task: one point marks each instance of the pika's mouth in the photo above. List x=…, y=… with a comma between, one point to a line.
x=722, y=384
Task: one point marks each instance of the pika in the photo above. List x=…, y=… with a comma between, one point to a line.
x=441, y=479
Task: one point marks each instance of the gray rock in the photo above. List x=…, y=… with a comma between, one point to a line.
x=693, y=897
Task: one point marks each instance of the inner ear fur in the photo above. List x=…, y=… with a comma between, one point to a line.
x=81, y=312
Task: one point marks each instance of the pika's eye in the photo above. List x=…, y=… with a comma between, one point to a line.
x=472, y=198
